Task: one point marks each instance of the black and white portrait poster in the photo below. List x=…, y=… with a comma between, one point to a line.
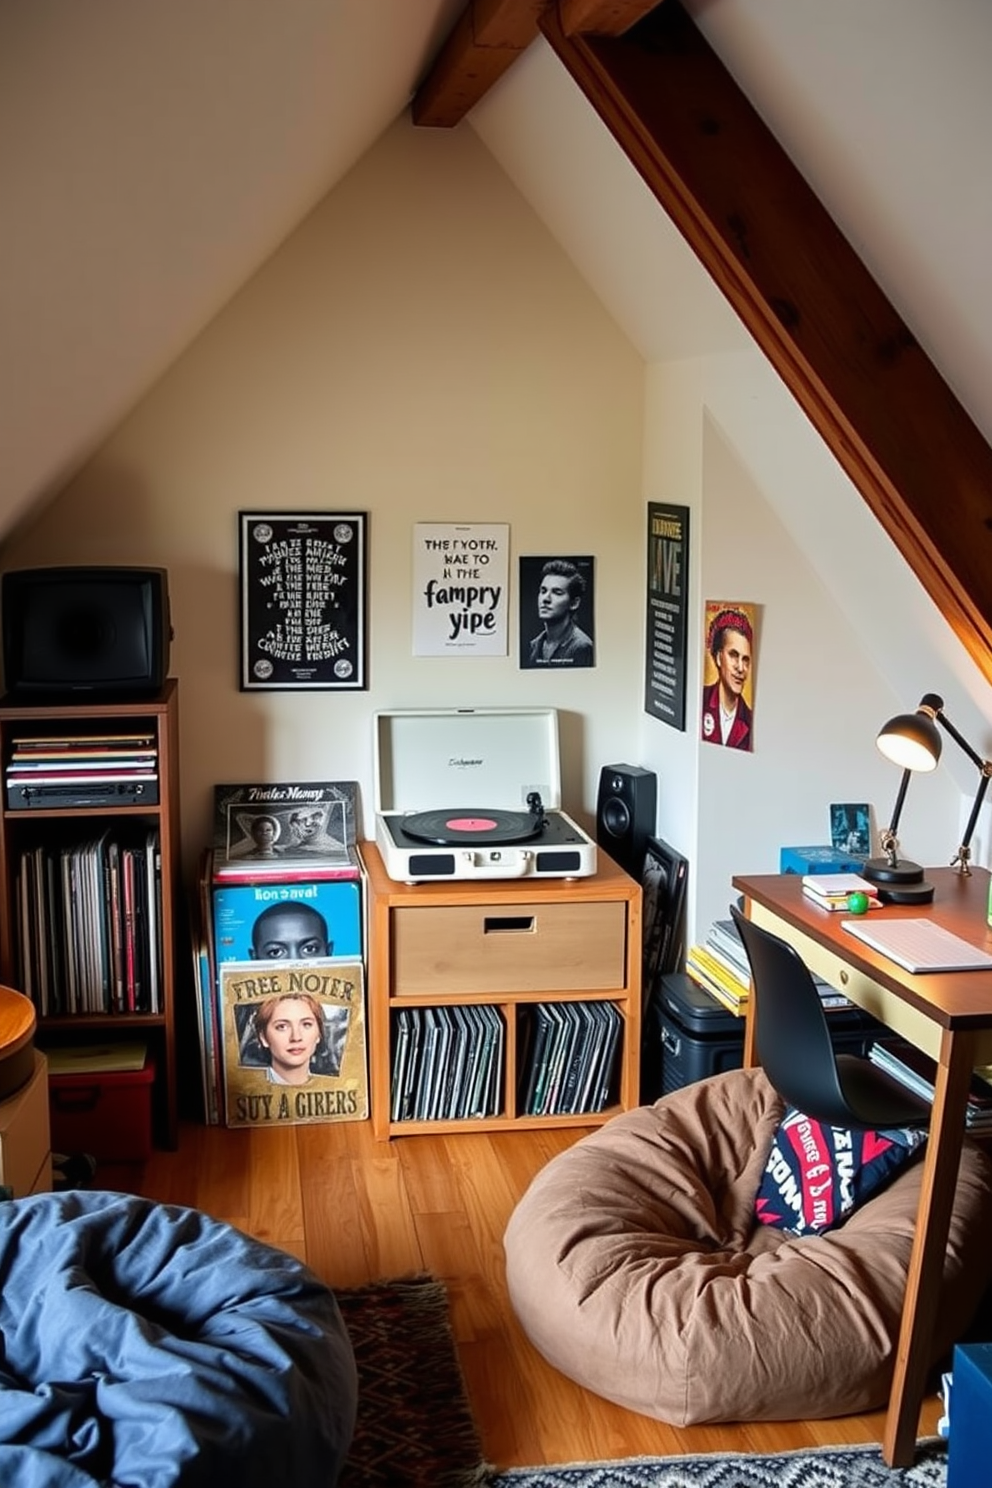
x=303, y=602
x=667, y=593
x=460, y=591
x=557, y=626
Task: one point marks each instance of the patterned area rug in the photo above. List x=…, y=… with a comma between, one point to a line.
x=827, y=1467
x=415, y=1429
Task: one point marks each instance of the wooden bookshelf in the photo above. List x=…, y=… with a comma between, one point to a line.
x=25, y=827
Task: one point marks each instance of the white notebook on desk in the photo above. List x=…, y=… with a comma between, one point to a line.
x=920, y=945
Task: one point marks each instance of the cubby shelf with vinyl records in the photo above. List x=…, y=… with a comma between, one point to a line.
x=89, y=857
x=504, y=1004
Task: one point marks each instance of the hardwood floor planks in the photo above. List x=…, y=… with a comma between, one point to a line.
x=358, y=1210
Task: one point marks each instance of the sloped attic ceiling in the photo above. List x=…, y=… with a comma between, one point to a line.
x=152, y=156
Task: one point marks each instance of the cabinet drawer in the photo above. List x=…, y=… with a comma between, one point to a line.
x=509, y=948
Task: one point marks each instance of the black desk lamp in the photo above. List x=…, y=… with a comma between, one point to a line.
x=913, y=741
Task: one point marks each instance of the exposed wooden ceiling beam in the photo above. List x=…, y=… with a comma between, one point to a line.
x=909, y=446
x=484, y=43
x=601, y=17
x=491, y=35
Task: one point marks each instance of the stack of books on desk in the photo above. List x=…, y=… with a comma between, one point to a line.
x=833, y=890
x=917, y=1071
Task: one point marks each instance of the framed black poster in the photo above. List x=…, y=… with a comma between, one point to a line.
x=665, y=606
x=303, y=600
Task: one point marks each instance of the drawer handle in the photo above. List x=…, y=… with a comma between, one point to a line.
x=493, y=923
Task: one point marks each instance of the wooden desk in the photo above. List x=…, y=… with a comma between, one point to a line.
x=949, y=1015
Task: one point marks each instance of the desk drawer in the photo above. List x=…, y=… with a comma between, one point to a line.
x=509, y=948
x=862, y=989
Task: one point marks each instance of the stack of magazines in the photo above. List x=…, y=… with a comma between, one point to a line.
x=917, y=1071
x=721, y=967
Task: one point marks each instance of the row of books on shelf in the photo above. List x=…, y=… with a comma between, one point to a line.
x=89, y=923
x=568, y=1058
x=448, y=1063
x=918, y=1072
x=720, y=966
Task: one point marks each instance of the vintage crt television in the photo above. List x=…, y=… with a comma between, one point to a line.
x=84, y=632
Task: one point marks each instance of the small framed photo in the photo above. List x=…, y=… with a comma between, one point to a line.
x=850, y=828
x=303, y=601
x=663, y=884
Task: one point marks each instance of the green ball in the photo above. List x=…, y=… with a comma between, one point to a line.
x=857, y=902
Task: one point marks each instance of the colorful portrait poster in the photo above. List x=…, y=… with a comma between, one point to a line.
x=293, y=1042
x=727, y=716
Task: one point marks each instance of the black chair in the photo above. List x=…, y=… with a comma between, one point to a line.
x=794, y=1047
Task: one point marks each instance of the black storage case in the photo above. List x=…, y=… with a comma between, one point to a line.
x=689, y=1035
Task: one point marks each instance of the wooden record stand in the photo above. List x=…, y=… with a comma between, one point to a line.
x=17, y=1025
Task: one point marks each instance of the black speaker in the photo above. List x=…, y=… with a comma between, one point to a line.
x=625, y=814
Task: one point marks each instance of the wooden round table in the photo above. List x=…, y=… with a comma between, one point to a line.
x=17, y=1025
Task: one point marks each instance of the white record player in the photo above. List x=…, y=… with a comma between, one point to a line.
x=474, y=793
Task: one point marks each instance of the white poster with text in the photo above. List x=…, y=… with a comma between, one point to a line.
x=460, y=588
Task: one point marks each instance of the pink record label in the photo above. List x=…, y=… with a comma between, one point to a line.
x=470, y=824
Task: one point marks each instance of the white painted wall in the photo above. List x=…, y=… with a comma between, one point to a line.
x=423, y=350
x=847, y=638
x=419, y=349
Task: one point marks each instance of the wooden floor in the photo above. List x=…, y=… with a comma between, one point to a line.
x=356, y=1210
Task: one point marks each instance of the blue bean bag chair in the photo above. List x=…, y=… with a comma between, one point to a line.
x=148, y=1345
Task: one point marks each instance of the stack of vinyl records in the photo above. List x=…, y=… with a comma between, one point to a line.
x=81, y=770
x=447, y=1063
x=568, y=1063
x=89, y=922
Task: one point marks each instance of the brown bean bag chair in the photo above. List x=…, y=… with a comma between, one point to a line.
x=635, y=1266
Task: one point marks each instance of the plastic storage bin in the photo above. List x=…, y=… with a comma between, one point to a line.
x=689, y=1036
x=969, y=1445
x=107, y=1113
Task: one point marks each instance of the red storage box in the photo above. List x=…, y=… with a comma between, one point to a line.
x=107, y=1113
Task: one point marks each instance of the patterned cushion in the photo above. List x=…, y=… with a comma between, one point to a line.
x=816, y=1175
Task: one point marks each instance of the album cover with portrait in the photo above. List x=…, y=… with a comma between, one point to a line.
x=293, y=1042
x=296, y=921
x=280, y=827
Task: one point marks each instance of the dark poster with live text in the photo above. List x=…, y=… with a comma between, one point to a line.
x=303, y=604
x=665, y=607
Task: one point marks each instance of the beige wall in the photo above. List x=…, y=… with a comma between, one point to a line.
x=420, y=349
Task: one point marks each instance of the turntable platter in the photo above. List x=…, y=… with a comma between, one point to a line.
x=449, y=828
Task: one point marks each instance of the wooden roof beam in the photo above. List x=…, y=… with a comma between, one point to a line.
x=491, y=35
x=883, y=408
x=601, y=17
x=483, y=44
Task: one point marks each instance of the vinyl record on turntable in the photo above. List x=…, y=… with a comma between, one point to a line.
x=448, y=828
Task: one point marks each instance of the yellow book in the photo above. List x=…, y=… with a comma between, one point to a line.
x=716, y=972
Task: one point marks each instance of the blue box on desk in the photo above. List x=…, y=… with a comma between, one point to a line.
x=818, y=860
x=337, y=902
x=969, y=1443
